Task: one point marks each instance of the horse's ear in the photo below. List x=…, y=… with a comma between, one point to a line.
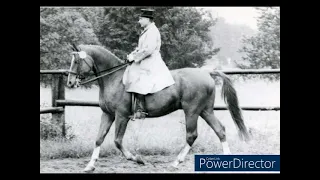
x=71, y=47
x=75, y=47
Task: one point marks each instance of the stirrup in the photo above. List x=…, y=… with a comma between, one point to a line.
x=138, y=115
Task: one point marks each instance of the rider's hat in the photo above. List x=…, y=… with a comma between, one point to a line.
x=148, y=13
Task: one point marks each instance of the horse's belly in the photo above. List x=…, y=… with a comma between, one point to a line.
x=163, y=102
x=162, y=112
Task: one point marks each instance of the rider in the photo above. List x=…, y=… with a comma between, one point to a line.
x=148, y=73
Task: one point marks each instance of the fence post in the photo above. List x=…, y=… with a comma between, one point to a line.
x=58, y=92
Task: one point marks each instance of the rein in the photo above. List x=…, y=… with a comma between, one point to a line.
x=116, y=68
x=109, y=71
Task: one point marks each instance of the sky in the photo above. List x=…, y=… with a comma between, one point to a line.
x=236, y=15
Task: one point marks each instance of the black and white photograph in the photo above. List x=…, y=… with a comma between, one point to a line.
x=159, y=89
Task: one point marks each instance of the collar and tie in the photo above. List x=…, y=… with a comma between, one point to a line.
x=145, y=29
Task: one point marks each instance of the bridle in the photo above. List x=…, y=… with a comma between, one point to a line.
x=80, y=76
x=108, y=71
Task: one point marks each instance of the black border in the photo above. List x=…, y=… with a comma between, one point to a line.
x=32, y=124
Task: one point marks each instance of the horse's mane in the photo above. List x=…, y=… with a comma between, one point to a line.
x=100, y=52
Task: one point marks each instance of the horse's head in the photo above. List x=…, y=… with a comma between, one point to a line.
x=81, y=65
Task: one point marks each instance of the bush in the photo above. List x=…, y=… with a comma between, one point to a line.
x=52, y=131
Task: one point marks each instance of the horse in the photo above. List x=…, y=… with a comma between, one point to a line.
x=194, y=92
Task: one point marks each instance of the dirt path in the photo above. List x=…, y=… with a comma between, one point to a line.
x=114, y=164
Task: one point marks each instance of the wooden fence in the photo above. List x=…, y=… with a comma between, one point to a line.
x=59, y=101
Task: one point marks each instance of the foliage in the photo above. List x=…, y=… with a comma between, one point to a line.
x=186, y=39
x=228, y=37
x=184, y=34
x=263, y=50
x=119, y=30
x=52, y=131
x=58, y=28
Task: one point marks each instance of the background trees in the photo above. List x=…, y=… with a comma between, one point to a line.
x=263, y=50
x=191, y=37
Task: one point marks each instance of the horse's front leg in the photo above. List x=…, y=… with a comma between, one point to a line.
x=120, y=128
x=105, y=124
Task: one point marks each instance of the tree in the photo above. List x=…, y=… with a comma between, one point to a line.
x=58, y=28
x=263, y=50
x=93, y=15
x=228, y=38
x=119, y=30
x=184, y=34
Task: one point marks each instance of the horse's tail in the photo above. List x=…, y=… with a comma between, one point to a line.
x=229, y=96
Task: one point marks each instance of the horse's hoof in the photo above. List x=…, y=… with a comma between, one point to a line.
x=139, y=159
x=89, y=169
x=174, y=164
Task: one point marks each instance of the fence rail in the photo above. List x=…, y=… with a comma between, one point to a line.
x=61, y=71
x=76, y=103
x=96, y=104
x=252, y=71
x=51, y=110
x=244, y=71
x=59, y=101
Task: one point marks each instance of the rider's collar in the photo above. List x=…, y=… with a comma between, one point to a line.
x=151, y=24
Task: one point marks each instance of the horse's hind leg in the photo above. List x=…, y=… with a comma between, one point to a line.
x=191, y=136
x=106, y=122
x=120, y=128
x=218, y=128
